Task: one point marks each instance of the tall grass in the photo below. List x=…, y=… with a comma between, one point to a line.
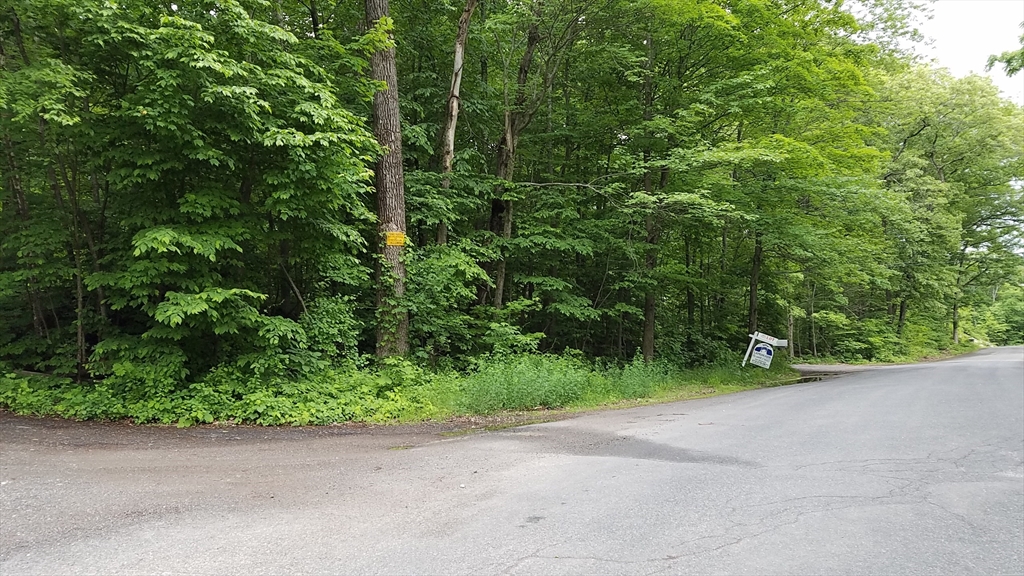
x=547, y=381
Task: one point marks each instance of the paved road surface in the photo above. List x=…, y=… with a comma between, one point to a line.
x=913, y=470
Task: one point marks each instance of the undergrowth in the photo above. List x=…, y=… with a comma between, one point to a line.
x=909, y=355
x=395, y=391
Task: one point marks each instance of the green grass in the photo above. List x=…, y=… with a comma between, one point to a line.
x=396, y=391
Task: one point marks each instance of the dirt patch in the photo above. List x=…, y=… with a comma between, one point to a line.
x=59, y=433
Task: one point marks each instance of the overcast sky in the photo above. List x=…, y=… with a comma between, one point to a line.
x=967, y=32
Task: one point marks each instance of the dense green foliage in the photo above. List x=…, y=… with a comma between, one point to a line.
x=188, y=217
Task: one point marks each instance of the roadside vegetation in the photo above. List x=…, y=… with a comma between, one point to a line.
x=393, y=391
x=337, y=210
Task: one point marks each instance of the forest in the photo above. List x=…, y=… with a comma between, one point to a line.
x=310, y=211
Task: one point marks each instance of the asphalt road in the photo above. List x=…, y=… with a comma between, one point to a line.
x=909, y=470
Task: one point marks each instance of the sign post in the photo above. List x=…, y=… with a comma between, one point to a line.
x=761, y=354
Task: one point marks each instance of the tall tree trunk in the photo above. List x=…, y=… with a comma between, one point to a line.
x=814, y=333
x=314, y=17
x=393, y=319
x=903, y=318
x=452, y=115
x=76, y=251
x=483, y=55
x=789, y=335
x=79, y=317
x=650, y=308
x=650, y=222
x=14, y=182
x=956, y=321
x=719, y=297
x=690, y=299
x=499, y=273
x=501, y=209
x=516, y=120
x=755, y=275
x=81, y=225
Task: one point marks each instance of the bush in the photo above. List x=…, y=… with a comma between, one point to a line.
x=525, y=382
x=394, y=391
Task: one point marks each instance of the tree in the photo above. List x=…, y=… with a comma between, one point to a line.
x=1012, y=60
x=452, y=114
x=189, y=171
x=389, y=180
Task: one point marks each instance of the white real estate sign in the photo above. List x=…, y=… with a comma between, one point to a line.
x=761, y=354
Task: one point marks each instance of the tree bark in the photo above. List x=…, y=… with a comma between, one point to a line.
x=506, y=233
x=956, y=322
x=483, y=56
x=650, y=305
x=452, y=116
x=389, y=180
x=314, y=17
x=516, y=120
x=814, y=333
x=719, y=297
x=755, y=275
x=650, y=223
x=789, y=335
x=690, y=298
x=903, y=318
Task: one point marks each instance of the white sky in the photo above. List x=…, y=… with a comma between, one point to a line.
x=967, y=32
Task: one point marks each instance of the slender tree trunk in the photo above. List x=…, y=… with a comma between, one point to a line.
x=14, y=182
x=79, y=319
x=295, y=289
x=650, y=222
x=81, y=225
x=393, y=319
x=516, y=120
x=719, y=298
x=621, y=338
x=690, y=299
x=956, y=321
x=501, y=209
x=314, y=17
x=650, y=308
x=19, y=39
x=76, y=251
x=483, y=55
x=76, y=247
x=902, y=319
x=499, y=273
x=452, y=116
x=755, y=274
x=814, y=334
x=789, y=335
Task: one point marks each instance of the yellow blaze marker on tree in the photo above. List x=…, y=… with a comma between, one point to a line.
x=395, y=238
